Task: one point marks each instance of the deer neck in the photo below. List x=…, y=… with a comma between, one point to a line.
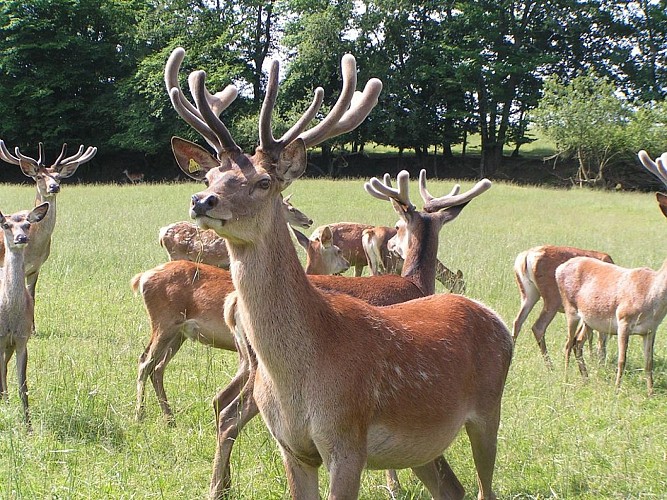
x=13, y=279
x=41, y=233
x=421, y=257
x=277, y=302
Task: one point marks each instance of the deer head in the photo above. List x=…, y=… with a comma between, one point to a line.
x=48, y=178
x=16, y=227
x=242, y=186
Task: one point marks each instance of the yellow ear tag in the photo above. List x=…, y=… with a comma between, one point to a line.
x=193, y=166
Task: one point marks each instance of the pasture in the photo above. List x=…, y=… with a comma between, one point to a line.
x=557, y=439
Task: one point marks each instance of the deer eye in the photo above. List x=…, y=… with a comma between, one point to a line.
x=264, y=184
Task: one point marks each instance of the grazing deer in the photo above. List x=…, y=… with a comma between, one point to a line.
x=185, y=241
x=322, y=256
x=134, y=177
x=47, y=181
x=615, y=300
x=339, y=382
x=16, y=304
x=535, y=273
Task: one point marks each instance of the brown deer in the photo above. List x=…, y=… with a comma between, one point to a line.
x=16, y=304
x=47, y=181
x=347, y=236
x=339, y=382
x=535, y=274
x=185, y=241
x=134, y=177
x=615, y=300
x=322, y=256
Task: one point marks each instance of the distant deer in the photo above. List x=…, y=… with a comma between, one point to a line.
x=615, y=300
x=347, y=236
x=16, y=304
x=134, y=177
x=185, y=241
x=47, y=181
x=339, y=382
x=535, y=273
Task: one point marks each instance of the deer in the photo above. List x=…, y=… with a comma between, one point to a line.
x=17, y=307
x=615, y=300
x=134, y=177
x=47, y=181
x=185, y=241
x=535, y=274
x=322, y=256
x=348, y=237
x=399, y=243
x=339, y=382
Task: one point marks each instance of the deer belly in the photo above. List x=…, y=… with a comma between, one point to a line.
x=391, y=449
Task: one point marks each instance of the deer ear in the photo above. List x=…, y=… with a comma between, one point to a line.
x=38, y=213
x=301, y=238
x=326, y=237
x=194, y=160
x=662, y=201
x=68, y=170
x=28, y=168
x=292, y=161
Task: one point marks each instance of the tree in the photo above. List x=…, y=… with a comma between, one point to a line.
x=587, y=120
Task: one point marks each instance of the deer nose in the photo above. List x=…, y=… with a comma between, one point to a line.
x=20, y=239
x=201, y=205
x=54, y=189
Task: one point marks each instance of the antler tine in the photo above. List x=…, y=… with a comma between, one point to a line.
x=62, y=154
x=342, y=117
x=452, y=200
x=657, y=167
x=215, y=103
x=22, y=157
x=6, y=155
x=266, y=140
x=41, y=158
x=78, y=158
x=199, y=93
x=426, y=196
x=305, y=119
x=384, y=191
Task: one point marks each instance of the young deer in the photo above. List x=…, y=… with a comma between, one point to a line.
x=185, y=241
x=535, y=273
x=322, y=256
x=339, y=382
x=16, y=303
x=347, y=236
x=615, y=300
x=47, y=181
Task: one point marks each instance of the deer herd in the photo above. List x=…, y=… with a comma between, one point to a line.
x=348, y=372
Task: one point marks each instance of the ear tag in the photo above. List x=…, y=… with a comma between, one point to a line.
x=193, y=166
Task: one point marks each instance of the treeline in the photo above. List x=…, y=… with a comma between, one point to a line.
x=91, y=71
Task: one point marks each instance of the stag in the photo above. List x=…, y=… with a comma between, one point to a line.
x=337, y=381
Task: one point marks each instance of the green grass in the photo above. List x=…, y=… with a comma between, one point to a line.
x=557, y=439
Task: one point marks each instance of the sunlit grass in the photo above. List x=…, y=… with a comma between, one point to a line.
x=557, y=439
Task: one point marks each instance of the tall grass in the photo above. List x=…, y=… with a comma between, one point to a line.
x=557, y=439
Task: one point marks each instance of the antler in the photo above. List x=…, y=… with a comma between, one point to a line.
x=657, y=167
x=432, y=204
x=204, y=117
x=384, y=191
x=16, y=160
x=348, y=112
x=60, y=163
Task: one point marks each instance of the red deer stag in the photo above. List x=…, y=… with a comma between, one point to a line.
x=615, y=300
x=16, y=304
x=185, y=241
x=535, y=273
x=340, y=382
x=47, y=180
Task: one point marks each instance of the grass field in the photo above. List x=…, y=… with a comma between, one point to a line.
x=557, y=439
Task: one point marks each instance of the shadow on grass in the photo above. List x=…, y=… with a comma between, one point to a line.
x=90, y=428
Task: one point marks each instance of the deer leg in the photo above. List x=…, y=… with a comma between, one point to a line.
x=483, y=437
x=528, y=300
x=649, y=341
x=393, y=484
x=540, y=329
x=440, y=480
x=345, y=465
x=301, y=477
x=602, y=347
x=166, y=350
x=358, y=269
x=31, y=283
x=584, y=332
x=623, y=338
x=3, y=372
x=21, y=372
x=231, y=420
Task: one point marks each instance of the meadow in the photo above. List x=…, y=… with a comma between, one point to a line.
x=557, y=439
